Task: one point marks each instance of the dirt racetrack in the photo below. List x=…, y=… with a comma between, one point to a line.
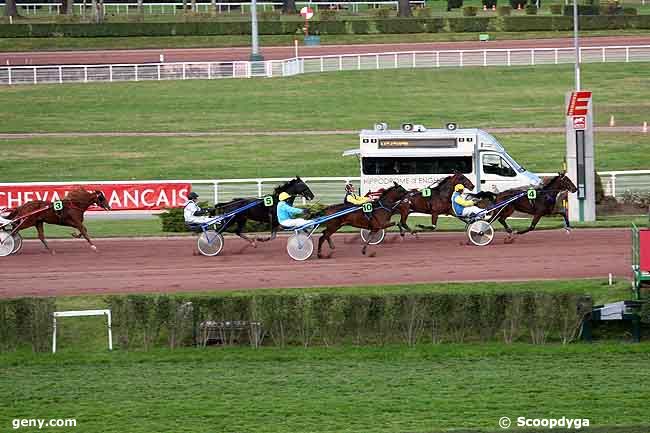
x=167, y=265
x=286, y=52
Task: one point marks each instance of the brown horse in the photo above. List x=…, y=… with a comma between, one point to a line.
x=383, y=208
x=543, y=204
x=436, y=204
x=37, y=212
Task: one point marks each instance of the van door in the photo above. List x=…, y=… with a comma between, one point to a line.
x=496, y=173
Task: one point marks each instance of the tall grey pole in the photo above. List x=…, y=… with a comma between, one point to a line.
x=255, y=53
x=576, y=43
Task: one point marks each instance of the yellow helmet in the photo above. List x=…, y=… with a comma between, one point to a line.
x=459, y=187
x=283, y=196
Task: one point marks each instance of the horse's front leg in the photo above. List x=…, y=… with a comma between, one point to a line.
x=434, y=222
x=41, y=236
x=84, y=232
x=567, y=224
x=324, y=237
x=533, y=223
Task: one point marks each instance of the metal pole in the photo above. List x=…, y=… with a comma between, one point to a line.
x=576, y=43
x=255, y=52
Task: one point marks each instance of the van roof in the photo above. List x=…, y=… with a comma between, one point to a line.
x=438, y=132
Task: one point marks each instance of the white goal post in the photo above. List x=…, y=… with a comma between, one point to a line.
x=82, y=313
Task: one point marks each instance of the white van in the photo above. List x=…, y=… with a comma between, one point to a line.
x=416, y=157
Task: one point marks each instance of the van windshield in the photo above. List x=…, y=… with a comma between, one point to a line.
x=426, y=165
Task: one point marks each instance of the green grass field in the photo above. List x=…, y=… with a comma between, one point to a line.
x=391, y=389
x=476, y=97
x=227, y=157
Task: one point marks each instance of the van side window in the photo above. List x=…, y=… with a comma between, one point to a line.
x=427, y=165
x=494, y=164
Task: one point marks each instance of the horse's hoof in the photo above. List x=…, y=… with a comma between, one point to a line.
x=52, y=252
x=372, y=254
x=94, y=248
x=509, y=240
x=568, y=231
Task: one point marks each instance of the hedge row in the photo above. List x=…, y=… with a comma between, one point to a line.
x=26, y=322
x=328, y=319
x=410, y=25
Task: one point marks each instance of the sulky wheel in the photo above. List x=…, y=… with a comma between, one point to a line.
x=480, y=233
x=18, y=244
x=210, y=243
x=300, y=246
x=6, y=243
x=375, y=238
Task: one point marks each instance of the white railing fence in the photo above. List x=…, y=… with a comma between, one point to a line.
x=329, y=190
x=173, y=8
x=301, y=65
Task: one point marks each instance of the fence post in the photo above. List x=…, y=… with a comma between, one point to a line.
x=613, y=182
x=413, y=60
x=183, y=71
x=110, y=73
x=627, y=54
x=259, y=188
x=35, y=80
x=209, y=71
x=437, y=59
x=604, y=59
x=158, y=71
x=136, y=72
x=508, y=57
x=555, y=56
x=322, y=67
x=461, y=58
x=395, y=61
x=484, y=57
x=377, y=61
x=358, y=63
x=9, y=71
x=216, y=192
x=85, y=74
x=340, y=63
x=532, y=56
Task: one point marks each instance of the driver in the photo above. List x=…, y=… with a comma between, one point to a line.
x=462, y=206
x=286, y=213
x=352, y=197
x=193, y=213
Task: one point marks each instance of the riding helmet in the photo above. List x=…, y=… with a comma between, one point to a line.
x=192, y=196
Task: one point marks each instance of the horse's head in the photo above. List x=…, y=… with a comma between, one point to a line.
x=296, y=187
x=100, y=200
x=459, y=177
x=393, y=194
x=562, y=182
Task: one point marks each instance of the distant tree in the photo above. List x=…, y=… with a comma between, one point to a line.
x=289, y=6
x=404, y=9
x=10, y=8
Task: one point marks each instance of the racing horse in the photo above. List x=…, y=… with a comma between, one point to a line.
x=262, y=213
x=436, y=204
x=68, y=212
x=544, y=202
x=383, y=208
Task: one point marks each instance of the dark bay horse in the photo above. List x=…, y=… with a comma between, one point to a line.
x=543, y=204
x=37, y=212
x=261, y=212
x=438, y=203
x=383, y=208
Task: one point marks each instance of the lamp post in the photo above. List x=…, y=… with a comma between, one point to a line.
x=576, y=43
x=255, y=52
